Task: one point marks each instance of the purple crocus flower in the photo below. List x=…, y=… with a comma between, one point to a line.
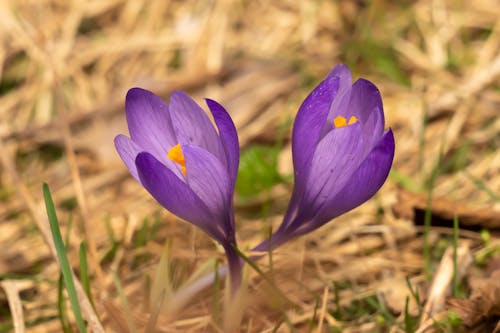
x=341, y=153
x=175, y=152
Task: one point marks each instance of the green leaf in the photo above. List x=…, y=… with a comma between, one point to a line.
x=258, y=170
x=63, y=259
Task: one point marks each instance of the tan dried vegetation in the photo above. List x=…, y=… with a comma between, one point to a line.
x=65, y=67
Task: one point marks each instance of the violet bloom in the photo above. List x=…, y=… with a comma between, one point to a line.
x=175, y=152
x=341, y=153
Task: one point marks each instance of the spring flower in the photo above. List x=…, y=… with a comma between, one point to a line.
x=341, y=153
x=177, y=155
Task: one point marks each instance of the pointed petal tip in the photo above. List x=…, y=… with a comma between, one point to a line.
x=217, y=110
x=179, y=94
x=367, y=84
x=228, y=136
x=136, y=92
x=211, y=103
x=341, y=67
x=340, y=70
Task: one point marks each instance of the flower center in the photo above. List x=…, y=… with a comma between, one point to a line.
x=176, y=155
x=341, y=121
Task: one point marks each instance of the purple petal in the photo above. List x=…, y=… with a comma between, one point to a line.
x=309, y=123
x=344, y=74
x=365, y=98
x=192, y=126
x=175, y=195
x=293, y=208
x=128, y=150
x=209, y=179
x=149, y=122
x=340, y=104
x=335, y=160
x=228, y=135
x=366, y=105
x=361, y=186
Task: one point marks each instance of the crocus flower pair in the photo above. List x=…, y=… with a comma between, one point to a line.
x=341, y=157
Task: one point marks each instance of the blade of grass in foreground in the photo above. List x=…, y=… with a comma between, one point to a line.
x=63, y=259
x=84, y=272
x=61, y=307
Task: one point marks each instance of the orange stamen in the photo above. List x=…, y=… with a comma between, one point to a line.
x=175, y=154
x=340, y=121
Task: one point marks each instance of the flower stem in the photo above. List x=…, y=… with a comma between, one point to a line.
x=235, y=266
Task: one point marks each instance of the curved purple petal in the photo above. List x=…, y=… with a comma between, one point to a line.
x=366, y=105
x=334, y=161
x=175, y=195
x=340, y=104
x=365, y=98
x=228, y=136
x=309, y=123
x=373, y=127
x=209, y=180
x=293, y=207
x=361, y=185
x=128, y=150
x=192, y=125
x=344, y=74
x=149, y=122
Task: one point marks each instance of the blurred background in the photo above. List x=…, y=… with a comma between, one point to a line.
x=65, y=67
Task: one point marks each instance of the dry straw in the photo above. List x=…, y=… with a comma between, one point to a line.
x=66, y=65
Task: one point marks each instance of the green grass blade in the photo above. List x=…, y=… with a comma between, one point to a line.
x=483, y=187
x=406, y=182
x=421, y=139
x=410, y=322
x=84, y=272
x=61, y=308
x=416, y=296
x=63, y=259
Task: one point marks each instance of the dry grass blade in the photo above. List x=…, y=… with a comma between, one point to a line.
x=16, y=308
x=65, y=68
x=322, y=312
x=442, y=279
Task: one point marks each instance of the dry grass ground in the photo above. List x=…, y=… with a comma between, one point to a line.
x=65, y=67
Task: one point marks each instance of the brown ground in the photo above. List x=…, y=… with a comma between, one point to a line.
x=66, y=65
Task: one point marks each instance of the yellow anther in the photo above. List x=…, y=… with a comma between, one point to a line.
x=176, y=155
x=340, y=121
